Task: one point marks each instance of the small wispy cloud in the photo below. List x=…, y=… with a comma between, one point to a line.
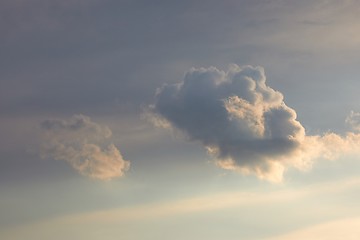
x=79, y=141
x=353, y=120
x=245, y=123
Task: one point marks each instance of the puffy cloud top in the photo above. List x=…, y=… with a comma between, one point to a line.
x=78, y=142
x=242, y=121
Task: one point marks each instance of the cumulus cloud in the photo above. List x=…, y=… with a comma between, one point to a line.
x=78, y=141
x=243, y=122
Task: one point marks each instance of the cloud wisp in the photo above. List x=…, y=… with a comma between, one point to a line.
x=243, y=122
x=78, y=141
x=353, y=120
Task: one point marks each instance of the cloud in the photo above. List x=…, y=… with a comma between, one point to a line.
x=243, y=122
x=78, y=142
x=353, y=120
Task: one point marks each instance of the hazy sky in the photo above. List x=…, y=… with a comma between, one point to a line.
x=154, y=120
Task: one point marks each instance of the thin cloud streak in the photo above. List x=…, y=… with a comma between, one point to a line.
x=340, y=229
x=182, y=207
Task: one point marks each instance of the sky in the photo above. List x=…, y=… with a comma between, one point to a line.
x=144, y=120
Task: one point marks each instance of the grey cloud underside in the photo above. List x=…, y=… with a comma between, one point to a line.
x=83, y=49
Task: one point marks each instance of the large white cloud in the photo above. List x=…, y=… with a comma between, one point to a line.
x=78, y=141
x=243, y=122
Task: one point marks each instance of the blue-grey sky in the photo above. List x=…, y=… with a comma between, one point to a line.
x=179, y=119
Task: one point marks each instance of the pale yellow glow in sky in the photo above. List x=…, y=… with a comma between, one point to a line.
x=114, y=220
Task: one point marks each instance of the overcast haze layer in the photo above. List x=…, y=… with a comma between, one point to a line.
x=179, y=119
